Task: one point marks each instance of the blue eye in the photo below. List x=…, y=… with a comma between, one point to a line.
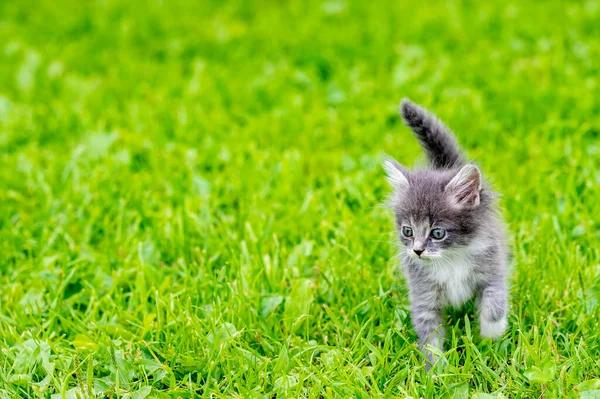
x=438, y=234
x=407, y=231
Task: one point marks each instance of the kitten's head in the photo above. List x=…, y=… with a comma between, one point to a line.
x=437, y=211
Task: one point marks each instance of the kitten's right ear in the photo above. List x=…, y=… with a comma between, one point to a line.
x=396, y=174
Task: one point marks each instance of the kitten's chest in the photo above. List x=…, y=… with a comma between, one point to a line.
x=456, y=281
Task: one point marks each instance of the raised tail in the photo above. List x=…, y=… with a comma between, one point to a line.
x=435, y=138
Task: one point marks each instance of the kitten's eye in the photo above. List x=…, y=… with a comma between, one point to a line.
x=438, y=234
x=407, y=231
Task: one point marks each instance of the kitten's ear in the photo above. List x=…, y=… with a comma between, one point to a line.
x=464, y=188
x=396, y=174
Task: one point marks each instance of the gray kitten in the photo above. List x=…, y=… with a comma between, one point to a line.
x=452, y=238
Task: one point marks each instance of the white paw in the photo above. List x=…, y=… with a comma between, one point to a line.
x=493, y=329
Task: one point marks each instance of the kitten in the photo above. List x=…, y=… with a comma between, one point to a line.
x=452, y=238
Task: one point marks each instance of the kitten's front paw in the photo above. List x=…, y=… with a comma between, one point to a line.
x=493, y=329
x=430, y=359
x=435, y=362
x=433, y=355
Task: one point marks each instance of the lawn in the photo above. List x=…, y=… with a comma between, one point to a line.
x=191, y=195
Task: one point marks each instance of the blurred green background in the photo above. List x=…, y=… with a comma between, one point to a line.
x=191, y=195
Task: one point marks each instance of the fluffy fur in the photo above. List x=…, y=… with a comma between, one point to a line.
x=471, y=258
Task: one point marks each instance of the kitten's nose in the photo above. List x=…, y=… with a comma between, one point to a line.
x=418, y=251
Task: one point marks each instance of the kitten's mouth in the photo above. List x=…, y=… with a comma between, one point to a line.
x=422, y=257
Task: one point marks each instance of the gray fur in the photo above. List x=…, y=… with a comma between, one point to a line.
x=437, y=140
x=472, y=259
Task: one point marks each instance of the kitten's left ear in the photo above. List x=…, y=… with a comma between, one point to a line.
x=464, y=188
x=396, y=174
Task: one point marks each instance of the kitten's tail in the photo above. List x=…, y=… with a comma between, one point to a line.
x=435, y=138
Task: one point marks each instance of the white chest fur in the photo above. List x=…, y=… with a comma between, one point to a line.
x=456, y=279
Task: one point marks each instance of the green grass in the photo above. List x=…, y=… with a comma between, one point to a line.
x=191, y=195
